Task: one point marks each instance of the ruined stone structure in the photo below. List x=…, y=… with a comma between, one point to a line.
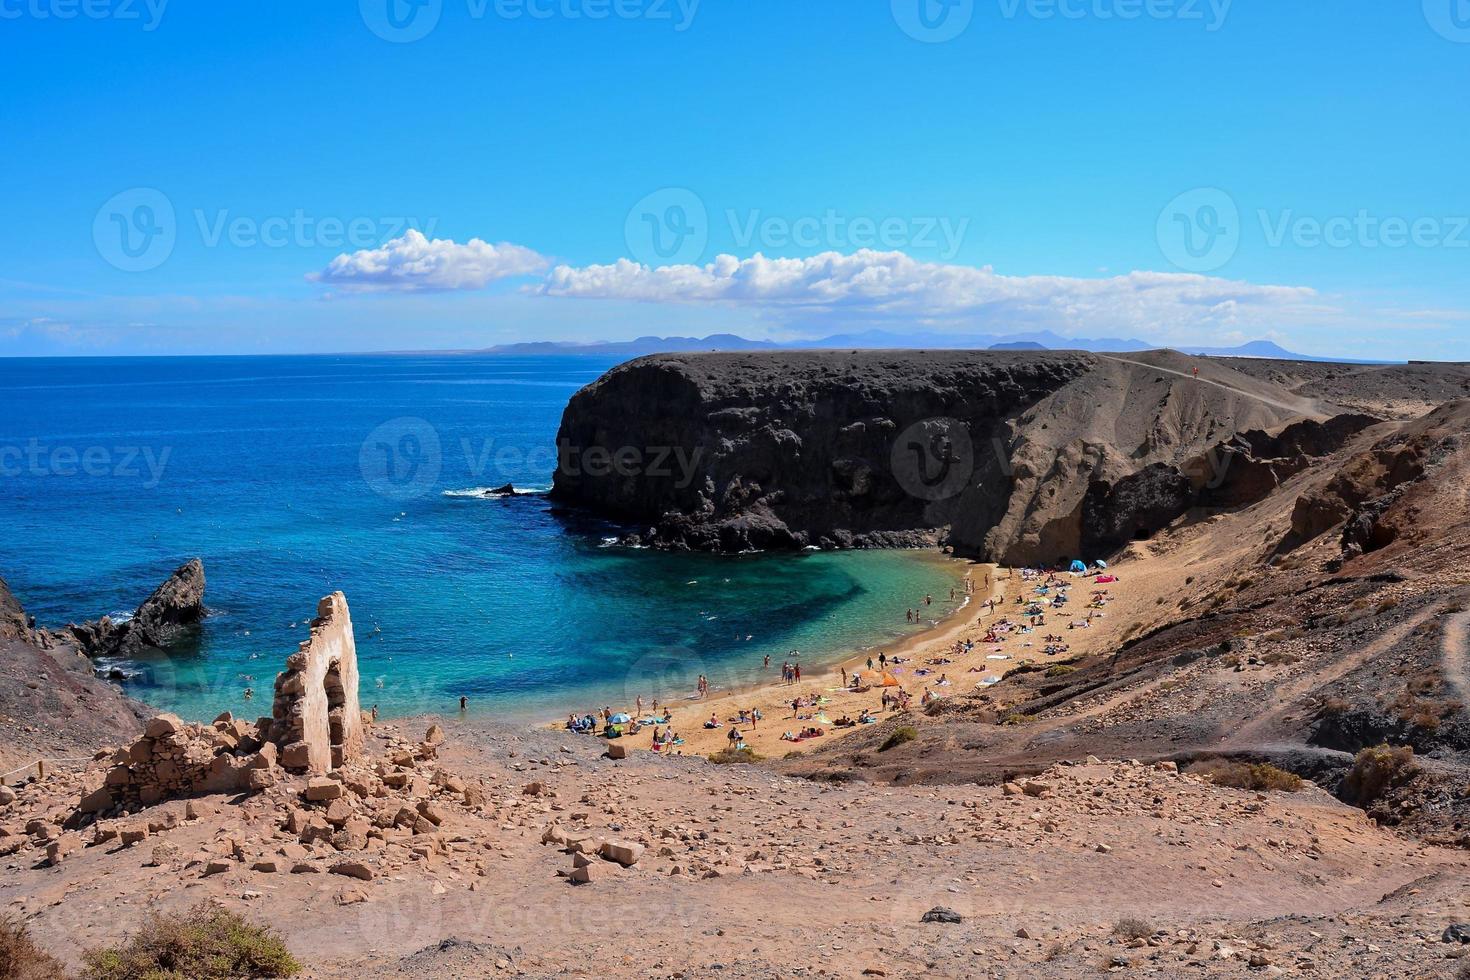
x=316, y=719
x=173, y=759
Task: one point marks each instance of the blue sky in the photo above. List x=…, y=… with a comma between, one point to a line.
x=1185, y=171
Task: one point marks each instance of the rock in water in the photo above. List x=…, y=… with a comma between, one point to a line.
x=160, y=621
x=175, y=605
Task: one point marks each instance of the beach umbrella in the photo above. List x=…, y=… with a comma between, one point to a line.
x=1101, y=564
x=1078, y=565
x=621, y=718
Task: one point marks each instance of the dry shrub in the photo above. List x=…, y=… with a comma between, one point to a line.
x=206, y=943
x=1278, y=657
x=901, y=734
x=21, y=958
x=1132, y=928
x=1060, y=670
x=726, y=757
x=1335, y=707
x=1378, y=769
x=1260, y=776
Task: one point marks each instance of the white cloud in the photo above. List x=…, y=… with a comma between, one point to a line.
x=891, y=284
x=414, y=263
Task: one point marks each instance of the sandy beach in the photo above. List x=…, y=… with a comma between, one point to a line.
x=935, y=660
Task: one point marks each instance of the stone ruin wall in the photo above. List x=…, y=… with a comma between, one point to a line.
x=316, y=725
x=316, y=719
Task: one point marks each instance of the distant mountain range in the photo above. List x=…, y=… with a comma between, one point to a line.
x=884, y=340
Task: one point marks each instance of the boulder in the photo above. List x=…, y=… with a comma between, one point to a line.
x=625, y=853
x=352, y=869
x=159, y=726
x=320, y=789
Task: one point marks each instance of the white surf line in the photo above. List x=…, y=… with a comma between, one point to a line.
x=1312, y=406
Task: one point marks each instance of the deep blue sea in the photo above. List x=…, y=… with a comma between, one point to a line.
x=292, y=477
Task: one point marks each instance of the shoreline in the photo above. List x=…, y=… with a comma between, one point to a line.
x=773, y=696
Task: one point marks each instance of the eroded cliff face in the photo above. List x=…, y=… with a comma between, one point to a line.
x=732, y=452
x=994, y=453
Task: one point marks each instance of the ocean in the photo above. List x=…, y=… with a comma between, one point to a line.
x=295, y=476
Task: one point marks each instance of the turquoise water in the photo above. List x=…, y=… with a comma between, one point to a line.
x=296, y=476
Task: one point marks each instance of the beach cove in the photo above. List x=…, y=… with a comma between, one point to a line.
x=269, y=469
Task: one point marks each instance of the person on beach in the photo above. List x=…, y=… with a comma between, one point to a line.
x=464, y=704
x=734, y=737
x=883, y=660
x=870, y=663
x=638, y=702
x=844, y=676
x=796, y=671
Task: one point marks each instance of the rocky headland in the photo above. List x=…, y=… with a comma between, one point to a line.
x=1013, y=457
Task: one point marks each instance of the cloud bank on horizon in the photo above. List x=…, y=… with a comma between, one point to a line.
x=834, y=287
x=416, y=263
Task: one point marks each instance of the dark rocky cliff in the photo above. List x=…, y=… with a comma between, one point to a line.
x=732, y=452
x=1009, y=456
